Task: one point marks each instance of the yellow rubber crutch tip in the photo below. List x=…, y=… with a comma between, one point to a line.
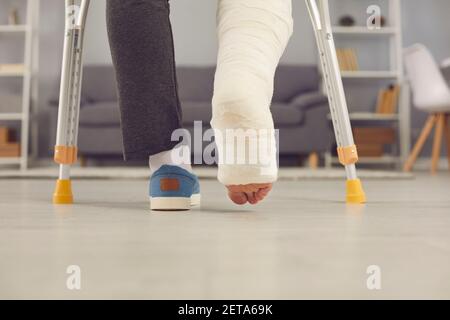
x=355, y=192
x=63, y=192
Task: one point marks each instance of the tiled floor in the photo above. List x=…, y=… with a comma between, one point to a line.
x=304, y=242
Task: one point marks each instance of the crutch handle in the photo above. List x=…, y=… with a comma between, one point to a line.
x=314, y=14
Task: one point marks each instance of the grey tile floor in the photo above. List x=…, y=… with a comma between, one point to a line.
x=303, y=242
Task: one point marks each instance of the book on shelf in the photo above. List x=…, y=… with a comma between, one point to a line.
x=371, y=141
x=374, y=135
x=387, y=102
x=8, y=148
x=347, y=58
x=371, y=150
x=4, y=135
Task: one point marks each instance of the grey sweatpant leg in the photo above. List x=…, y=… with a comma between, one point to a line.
x=141, y=42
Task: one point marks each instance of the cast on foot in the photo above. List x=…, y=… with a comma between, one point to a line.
x=252, y=36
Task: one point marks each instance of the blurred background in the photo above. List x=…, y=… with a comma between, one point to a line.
x=385, y=121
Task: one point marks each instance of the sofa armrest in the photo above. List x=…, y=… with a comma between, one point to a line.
x=53, y=102
x=309, y=99
x=445, y=64
x=318, y=125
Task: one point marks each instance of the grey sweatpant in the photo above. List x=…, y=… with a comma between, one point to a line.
x=141, y=42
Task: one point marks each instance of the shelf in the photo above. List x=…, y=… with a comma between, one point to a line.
x=7, y=160
x=372, y=160
x=11, y=74
x=369, y=74
x=11, y=116
x=12, y=70
x=363, y=31
x=365, y=40
x=26, y=70
x=370, y=116
x=13, y=28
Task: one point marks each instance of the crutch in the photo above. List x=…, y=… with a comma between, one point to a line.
x=69, y=98
x=346, y=149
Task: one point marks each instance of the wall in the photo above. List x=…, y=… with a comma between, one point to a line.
x=193, y=23
x=194, y=29
x=194, y=32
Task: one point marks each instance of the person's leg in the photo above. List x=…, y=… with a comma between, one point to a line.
x=252, y=35
x=142, y=50
x=141, y=43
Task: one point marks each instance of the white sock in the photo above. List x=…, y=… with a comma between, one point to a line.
x=179, y=156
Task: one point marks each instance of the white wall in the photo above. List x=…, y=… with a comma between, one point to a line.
x=193, y=23
x=194, y=29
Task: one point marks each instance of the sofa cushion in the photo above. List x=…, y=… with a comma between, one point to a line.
x=100, y=114
x=283, y=114
x=104, y=140
x=99, y=84
x=291, y=81
x=286, y=114
x=195, y=83
x=309, y=99
x=196, y=111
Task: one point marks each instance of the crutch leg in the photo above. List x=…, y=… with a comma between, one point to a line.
x=347, y=152
x=69, y=98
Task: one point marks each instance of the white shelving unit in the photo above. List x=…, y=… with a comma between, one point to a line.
x=392, y=33
x=13, y=28
x=369, y=74
x=363, y=31
x=370, y=116
x=27, y=72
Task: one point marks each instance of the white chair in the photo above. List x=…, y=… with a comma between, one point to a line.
x=431, y=94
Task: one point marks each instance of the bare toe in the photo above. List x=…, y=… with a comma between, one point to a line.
x=238, y=197
x=251, y=197
x=262, y=193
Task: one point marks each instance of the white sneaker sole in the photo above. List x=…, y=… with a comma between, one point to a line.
x=174, y=203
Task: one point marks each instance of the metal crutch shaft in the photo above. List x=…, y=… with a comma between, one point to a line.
x=347, y=151
x=69, y=98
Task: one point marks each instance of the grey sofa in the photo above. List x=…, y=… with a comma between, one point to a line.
x=299, y=109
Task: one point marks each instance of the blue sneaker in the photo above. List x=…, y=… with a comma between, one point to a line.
x=173, y=188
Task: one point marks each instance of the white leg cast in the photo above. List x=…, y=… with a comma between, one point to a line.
x=347, y=151
x=69, y=98
x=252, y=36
